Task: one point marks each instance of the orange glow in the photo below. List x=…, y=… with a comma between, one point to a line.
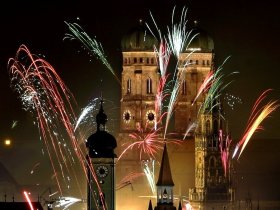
x=7, y=142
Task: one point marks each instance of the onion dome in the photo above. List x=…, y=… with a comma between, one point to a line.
x=139, y=39
x=101, y=144
x=201, y=42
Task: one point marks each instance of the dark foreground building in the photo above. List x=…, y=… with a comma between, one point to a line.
x=19, y=206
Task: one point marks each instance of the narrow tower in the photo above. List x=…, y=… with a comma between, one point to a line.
x=101, y=163
x=165, y=185
x=212, y=182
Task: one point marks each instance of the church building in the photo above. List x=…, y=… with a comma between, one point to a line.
x=196, y=161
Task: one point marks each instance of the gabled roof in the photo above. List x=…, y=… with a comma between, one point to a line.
x=165, y=176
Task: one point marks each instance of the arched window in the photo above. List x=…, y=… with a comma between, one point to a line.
x=212, y=162
x=128, y=86
x=207, y=127
x=184, y=87
x=215, y=126
x=149, y=85
x=212, y=166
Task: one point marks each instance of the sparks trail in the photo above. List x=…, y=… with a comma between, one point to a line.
x=148, y=142
x=213, y=85
x=174, y=42
x=43, y=93
x=128, y=180
x=87, y=114
x=94, y=47
x=224, y=146
x=258, y=114
x=148, y=167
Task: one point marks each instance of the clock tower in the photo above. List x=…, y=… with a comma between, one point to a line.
x=101, y=166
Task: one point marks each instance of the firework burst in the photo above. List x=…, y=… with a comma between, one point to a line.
x=258, y=114
x=94, y=47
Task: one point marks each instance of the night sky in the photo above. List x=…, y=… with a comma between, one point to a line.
x=249, y=32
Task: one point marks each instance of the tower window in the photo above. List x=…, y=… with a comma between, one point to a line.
x=194, y=76
x=125, y=61
x=207, y=127
x=135, y=60
x=215, y=125
x=128, y=86
x=141, y=60
x=208, y=62
x=196, y=62
x=203, y=62
x=152, y=60
x=149, y=85
x=148, y=60
x=184, y=88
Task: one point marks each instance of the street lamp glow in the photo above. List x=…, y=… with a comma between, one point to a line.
x=7, y=142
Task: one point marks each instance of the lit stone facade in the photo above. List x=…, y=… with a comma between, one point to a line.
x=196, y=165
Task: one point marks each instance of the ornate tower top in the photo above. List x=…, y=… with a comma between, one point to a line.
x=101, y=117
x=101, y=144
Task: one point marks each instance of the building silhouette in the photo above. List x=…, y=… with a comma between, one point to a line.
x=101, y=166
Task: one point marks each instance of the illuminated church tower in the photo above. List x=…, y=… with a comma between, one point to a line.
x=140, y=77
x=199, y=56
x=139, y=80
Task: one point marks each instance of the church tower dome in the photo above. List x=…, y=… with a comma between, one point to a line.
x=138, y=38
x=101, y=143
x=202, y=41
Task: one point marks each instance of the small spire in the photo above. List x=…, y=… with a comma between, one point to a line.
x=101, y=117
x=165, y=176
x=180, y=205
x=150, y=205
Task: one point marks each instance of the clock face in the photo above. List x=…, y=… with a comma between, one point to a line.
x=151, y=116
x=126, y=116
x=102, y=171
